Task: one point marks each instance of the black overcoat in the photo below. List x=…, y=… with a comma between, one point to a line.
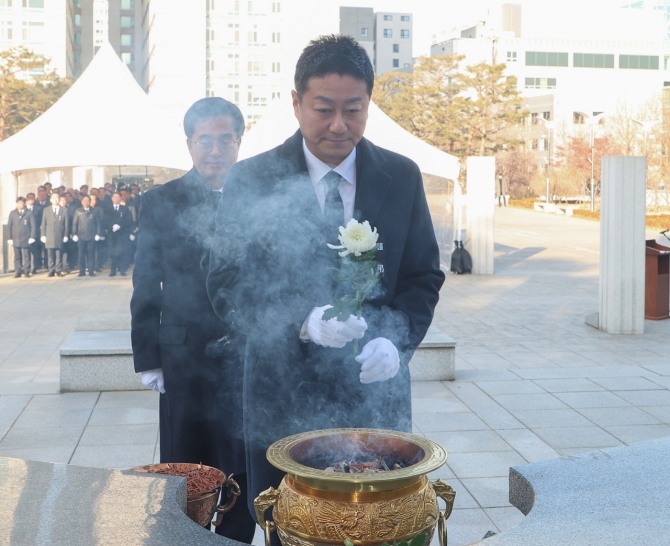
x=21, y=227
x=54, y=227
x=270, y=266
x=175, y=328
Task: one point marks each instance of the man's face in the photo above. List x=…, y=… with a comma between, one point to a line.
x=42, y=195
x=62, y=201
x=213, y=146
x=332, y=115
x=85, y=202
x=94, y=200
x=20, y=205
x=54, y=199
x=116, y=198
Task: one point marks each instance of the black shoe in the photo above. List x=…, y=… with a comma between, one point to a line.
x=52, y=274
x=62, y=274
x=28, y=274
x=91, y=274
x=17, y=275
x=81, y=274
x=123, y=274
x=112, y=274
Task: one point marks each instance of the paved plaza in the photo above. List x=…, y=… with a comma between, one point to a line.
x=533, y=381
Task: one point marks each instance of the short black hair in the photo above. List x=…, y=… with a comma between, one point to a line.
x=211, y=107
x=333, y=54
x=21, y=199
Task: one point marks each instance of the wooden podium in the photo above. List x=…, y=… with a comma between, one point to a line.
x=657, y=281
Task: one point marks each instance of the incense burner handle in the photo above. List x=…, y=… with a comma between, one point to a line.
x=447, y=494
x=265, y=500
x=233, y=492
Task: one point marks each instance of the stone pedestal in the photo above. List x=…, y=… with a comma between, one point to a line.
x=481, y=191
x=622, y=246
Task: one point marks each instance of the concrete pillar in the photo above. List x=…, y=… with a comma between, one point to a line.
x=481, y=191
x=622, y=246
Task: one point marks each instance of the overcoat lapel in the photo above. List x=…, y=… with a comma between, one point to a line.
x=372, y=183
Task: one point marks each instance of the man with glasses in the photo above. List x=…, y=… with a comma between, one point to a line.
x=181, y=348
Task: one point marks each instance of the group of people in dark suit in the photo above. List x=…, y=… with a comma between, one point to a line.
x=65, y=230
x=229, y=298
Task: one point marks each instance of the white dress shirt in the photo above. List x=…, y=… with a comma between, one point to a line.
x=347, y=170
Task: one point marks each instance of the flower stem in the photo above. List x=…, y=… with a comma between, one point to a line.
x=359, y=309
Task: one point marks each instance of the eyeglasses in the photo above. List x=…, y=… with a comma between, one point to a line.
x=206, y=144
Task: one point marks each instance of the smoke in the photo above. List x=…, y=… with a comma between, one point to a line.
x=325, y=451
x=269, y=267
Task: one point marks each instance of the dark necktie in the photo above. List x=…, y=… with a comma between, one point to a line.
x=333, y=209
x=215, y=197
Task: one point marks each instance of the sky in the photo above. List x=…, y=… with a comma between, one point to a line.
x=434, y=16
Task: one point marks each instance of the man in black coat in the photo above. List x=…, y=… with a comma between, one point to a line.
x=22, y=232
x=271, y=271
x=86, y=231
x=120, y=224
x=54, y=234
x=180, y=346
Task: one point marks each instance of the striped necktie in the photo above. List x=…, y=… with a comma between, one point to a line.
x=333, y=209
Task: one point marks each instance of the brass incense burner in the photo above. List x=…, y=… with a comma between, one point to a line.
x=316, y=507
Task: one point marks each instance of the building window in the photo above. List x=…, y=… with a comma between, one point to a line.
x=592, y=60
x=404, y=33
x=396, y=63
x=388, y=17
x=511, y=56
x=276, y=38
x=546, y=58
x=642, y=62
x=540, y=83
x=127, y=40
x=127, y=58
x=388, y=33
x=127, y=4
x=126, y=22
x=364, y=32
x=276, y=7
x=34, y=4
x=396, y=48
x=77, y=19
x=405, y=18
x=578, y=118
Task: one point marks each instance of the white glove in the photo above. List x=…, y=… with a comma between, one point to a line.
x=102, y=238
x=97, y=237
x=380, y=360
x=116, y=227
x=332, y=332
x=31, y=241
x=43, y=239
x=75, y=238
x=10, y=242
x=153, y=379
x=132, y=237
x=65, y=239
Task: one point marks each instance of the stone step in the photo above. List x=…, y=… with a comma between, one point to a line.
x=102, y=360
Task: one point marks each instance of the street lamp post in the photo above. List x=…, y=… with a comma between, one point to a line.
x=549, y=126
x=593, y=161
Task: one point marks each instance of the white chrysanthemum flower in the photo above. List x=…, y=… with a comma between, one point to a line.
x=356, y=238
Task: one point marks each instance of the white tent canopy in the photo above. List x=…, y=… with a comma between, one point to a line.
x=105, y=118
x=279, y=122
